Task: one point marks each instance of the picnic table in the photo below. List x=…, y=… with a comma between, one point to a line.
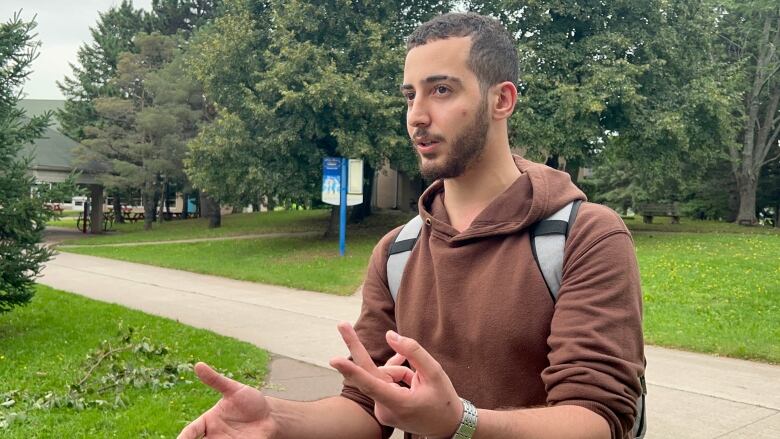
x=133, y=214
x=130, y=214
x=82, y=221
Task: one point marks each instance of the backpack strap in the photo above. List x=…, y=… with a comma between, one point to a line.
x=399, y=253
x=548, y=238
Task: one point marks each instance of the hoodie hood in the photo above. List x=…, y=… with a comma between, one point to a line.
x=539, y=192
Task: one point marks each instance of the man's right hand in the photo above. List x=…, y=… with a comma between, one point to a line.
x=242, y=412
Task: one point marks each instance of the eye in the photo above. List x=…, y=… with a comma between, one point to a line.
x=409, y=96
x=441, y=90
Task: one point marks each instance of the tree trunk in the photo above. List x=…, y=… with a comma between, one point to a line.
x=149, y=205
x=155, y=199
x=215, y=219
x=757, y=139
x=118, y=216
x=747, y=185
x=96, y=215
x=185, y=208
x=210, y=208
x=163, y=201
x=205, y=206
x=333, y=224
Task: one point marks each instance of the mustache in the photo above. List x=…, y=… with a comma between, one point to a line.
x=423, y=133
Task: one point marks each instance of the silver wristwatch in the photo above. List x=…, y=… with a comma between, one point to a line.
x=468, y=425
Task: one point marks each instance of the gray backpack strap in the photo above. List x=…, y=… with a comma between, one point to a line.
x=548, y=238
x=399, y=253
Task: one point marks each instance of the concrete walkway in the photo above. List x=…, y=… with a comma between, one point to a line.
x=690, y=395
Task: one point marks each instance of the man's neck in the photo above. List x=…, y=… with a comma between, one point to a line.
x=467, y=195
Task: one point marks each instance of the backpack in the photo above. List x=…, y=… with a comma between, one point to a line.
x=548, y=239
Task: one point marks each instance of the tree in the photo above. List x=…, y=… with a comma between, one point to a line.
x=23, y=215
x=140, y=141
x=294, y=82
x=750, y=36
x=170, y=17
x=96, y=66
x=580, y=65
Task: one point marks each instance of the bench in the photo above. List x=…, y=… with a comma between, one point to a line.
x=649, y=210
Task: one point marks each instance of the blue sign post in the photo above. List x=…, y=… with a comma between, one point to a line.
x=343, y=207
x=336, y=174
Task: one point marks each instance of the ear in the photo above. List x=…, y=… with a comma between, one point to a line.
x=503, y=99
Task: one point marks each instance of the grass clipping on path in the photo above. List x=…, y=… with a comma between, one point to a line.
x=49, y=352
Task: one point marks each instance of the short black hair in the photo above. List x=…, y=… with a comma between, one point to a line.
x=493, y=55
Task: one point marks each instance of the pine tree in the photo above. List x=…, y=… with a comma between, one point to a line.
x=22, y=216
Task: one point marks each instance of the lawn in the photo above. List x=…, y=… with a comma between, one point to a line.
x=44, y=346
x=67, y=222
x=232, y=225
x=687, y=225
x=712, y=293
x=709, y=287
x=298, y=262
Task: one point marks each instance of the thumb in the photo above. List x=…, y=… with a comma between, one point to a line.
x=217, y=381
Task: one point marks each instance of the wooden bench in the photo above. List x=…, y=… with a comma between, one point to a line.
x=649, y=210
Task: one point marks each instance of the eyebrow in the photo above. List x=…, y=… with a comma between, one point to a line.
x=434, y=78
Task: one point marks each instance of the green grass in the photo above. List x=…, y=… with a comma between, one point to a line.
x=712, y=293
x=298, y=262
x=67, y=222
x=232, y=225
x=43, y=347
x=688, y=225
x=710, y=287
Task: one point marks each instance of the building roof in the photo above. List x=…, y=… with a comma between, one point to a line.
x=35, y=107
x=53, y=150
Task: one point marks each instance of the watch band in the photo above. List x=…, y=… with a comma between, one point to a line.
x=468, y=425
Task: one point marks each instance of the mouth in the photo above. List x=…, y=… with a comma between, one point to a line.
x=426, y=145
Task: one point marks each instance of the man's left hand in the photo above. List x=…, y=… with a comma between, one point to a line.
x=428, y=407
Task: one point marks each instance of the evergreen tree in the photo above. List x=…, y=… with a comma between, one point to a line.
x=140, y=142
x=23, y=215
x=96, y=65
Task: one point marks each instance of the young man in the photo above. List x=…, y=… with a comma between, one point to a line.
x=475, y=317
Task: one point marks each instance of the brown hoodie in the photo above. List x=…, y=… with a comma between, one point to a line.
x=478, y=303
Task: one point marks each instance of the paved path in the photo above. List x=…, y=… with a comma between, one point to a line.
x=690, y=395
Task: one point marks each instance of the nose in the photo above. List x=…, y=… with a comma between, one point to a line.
x=417, y=114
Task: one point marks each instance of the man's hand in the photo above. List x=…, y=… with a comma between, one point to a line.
x=428, y=407
x=241, y=413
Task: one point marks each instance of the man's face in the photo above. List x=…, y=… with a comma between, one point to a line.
x=447, y=117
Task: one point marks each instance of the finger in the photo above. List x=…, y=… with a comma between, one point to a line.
x=418, y=357
x=389, y=394
x=398, y=373
x=359, y=353
x=396, y=360
x=217, y=381
x=196, y=429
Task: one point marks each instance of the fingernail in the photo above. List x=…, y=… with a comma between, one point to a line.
x=394, y=335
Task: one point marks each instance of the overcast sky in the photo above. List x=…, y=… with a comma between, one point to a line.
x=63, y=26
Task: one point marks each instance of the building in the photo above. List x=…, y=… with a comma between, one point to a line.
x=52, y=159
